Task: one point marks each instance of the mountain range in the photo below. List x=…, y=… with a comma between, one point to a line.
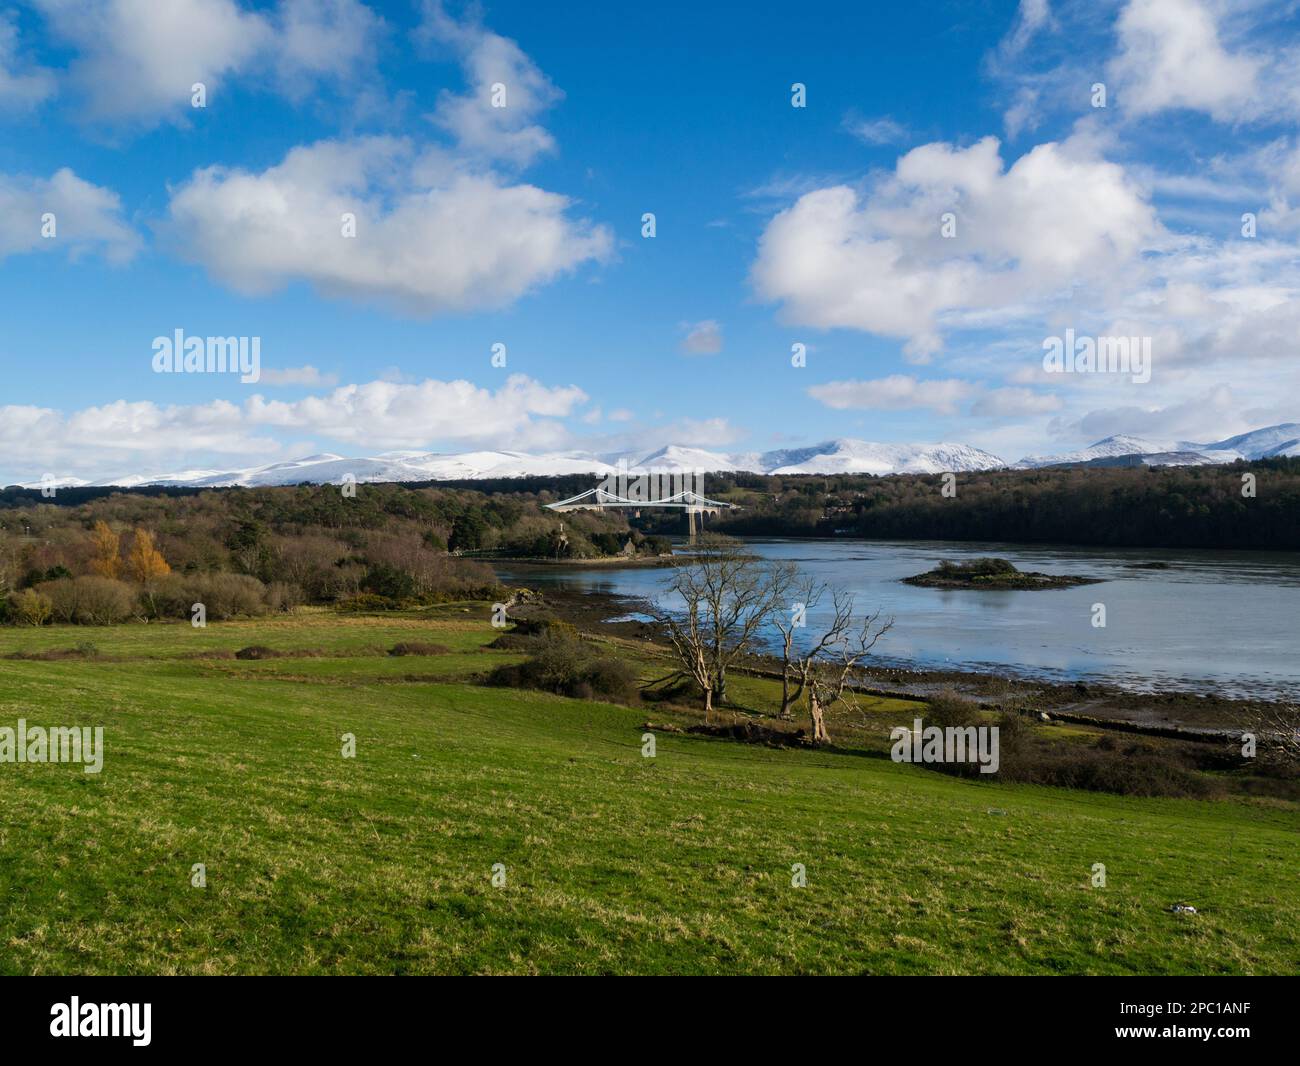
x=840, y=456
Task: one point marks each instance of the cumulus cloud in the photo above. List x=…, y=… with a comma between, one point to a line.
x=422, y=228
x=1171, y=56
x=397, y=415
x=87, y=217
x=22, y=85
x=117, y=438
x=324, y=40
x=430, y=235
x=703, y=338
x=136, y=61
x=877, y=260
x=496, y=115
x=1185, y=420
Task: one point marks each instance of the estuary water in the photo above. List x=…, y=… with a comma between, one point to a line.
x=1212, y=621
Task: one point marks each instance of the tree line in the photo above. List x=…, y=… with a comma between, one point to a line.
x=111, y=556
x=1253, y=505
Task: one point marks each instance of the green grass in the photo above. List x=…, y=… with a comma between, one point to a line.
x=614, y=862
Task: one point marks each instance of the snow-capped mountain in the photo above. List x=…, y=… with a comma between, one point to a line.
x=1121, y=444
x=391, y=466
x=830, y=457
x=677, y=457
x=861, y=457
x=841, y=456
x=1265, y=443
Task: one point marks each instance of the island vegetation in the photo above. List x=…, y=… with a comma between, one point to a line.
x=989, y=573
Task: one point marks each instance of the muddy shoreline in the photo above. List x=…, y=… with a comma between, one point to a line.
x=1177, y=710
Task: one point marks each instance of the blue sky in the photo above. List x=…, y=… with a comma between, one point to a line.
x=522, y=225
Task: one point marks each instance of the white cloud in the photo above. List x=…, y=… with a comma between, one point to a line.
x=1015, y=403
x=307, y=376
x=1022, y=115
x=324, y=39
x=22, y=85
x=703, y=338
x=1032, y=16
x=431, y=236
x=1171, y=56
x=898, y=392
x=137, y=60
x=504, y=128
x=86, y=217
x=883, y=130
x=877, y=261
x=395, y=415
x=131, y=436
x=1188, y=420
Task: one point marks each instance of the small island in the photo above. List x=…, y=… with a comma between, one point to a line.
x=992, y=574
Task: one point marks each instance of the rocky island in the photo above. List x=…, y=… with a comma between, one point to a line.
x=992, y=574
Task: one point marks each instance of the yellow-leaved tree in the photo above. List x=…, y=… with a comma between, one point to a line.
x=145, y=562
x=106, y=555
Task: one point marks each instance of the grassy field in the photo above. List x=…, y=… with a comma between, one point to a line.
x=614, y=862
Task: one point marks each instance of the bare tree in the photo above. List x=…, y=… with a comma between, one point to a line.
x=726, y=595
x=829, y=665
x=1274, y=731
x=797, y=664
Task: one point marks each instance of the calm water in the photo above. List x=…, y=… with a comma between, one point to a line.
x=1215, y=620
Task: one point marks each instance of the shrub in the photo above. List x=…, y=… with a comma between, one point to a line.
x=984, y=567
x=222, y=595
x=946, y=709
x=283, y=596
x=416, y=647
x=231, y=595
x=389, y=582
x=550, y=628
x=568, y=668
x=366, y=601
x=257, y=651
x=1126, y=767
x=90, y=600
x=612, y=679
x=31, y=608
x=514, y=642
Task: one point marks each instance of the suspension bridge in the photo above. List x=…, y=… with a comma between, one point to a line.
x=600, y=499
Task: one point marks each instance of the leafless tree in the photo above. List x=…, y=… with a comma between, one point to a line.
x=1275, y=729
x=797, y=664
x=827, y=665
x=726, y=594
